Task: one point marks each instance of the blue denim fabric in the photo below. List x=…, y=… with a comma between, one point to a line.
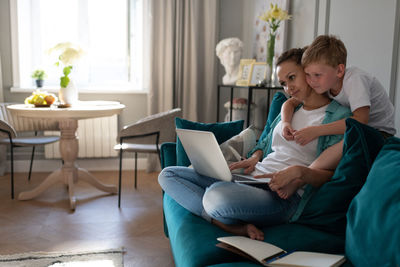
x=233, y=203
x=186, y=187
x=227, y=202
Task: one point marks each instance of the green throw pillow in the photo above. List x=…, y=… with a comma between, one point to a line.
x=222, y=131
x=373, y=232
x=326, y=208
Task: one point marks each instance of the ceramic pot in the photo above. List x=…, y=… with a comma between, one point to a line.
x=39, y=83
x=69, y=94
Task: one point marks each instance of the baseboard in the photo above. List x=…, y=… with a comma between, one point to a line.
x=48, y=165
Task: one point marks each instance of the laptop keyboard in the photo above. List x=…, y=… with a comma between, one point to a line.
x=243, y=178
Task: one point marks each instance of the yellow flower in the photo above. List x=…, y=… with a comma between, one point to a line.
x=275, y=11
x=265, y=17
x=274, y=16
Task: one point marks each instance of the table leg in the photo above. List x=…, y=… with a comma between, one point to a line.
x=218, y=92
x=90, y=179
x=249, y=100
x=54, y=177
x=71, y=194
x=69, y=172
x=231, y=101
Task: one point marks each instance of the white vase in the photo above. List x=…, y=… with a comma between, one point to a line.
x=69, y=94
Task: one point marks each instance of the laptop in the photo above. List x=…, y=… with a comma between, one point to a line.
x=207, y=159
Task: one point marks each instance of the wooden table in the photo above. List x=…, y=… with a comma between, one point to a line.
x=67, y=119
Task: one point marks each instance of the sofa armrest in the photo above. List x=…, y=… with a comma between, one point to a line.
x=168, y=154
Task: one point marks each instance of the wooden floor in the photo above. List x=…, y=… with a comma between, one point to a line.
x=47, y=224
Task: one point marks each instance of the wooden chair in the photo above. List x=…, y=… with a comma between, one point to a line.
x=146, y=136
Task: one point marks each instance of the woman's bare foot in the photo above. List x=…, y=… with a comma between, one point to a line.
x=249, y=230
x=289, y=189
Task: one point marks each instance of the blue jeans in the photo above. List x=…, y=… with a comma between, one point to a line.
x=227, y=202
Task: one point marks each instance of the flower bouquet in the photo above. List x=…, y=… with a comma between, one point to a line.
x=273, y=17
x=68, y=55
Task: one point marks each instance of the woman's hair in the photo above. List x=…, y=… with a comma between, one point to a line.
x=293, y=54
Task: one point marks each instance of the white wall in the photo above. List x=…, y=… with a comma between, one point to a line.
x=369, y=41
x=369, y=29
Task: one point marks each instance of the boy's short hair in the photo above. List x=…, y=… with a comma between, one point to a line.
x=294, y=54
x=326, y=49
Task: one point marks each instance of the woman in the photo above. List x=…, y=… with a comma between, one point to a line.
x=236, y=207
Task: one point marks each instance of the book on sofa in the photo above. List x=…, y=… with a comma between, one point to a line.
x=270, y=255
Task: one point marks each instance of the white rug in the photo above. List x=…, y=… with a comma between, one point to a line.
x=101, y=258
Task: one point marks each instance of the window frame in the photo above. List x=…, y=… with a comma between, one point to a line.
x=16, y=79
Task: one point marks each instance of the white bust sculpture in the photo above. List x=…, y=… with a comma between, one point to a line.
x=229, y=51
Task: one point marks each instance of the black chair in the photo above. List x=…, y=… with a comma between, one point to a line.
x=146, y=136
x=8, y=136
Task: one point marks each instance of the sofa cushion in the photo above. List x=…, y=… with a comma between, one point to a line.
x=168, y=154
x=193, y=239
x=222, y=131
x=373, y=232
x=327, y=207
x=237, y=147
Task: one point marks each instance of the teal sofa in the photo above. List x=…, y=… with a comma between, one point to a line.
x=355, y=214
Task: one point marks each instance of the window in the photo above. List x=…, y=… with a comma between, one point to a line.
x=109, y=31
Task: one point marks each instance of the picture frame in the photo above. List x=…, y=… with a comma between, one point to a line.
x=258, y=72
x=245, y=70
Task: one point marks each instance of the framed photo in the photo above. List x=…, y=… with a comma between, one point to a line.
x=245, y=72
x=258, y=72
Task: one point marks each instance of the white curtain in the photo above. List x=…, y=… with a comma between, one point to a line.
x=183, y=64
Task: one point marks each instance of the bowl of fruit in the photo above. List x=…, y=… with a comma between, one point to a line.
x=41, y=99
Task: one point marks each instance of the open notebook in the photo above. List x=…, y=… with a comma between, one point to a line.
x=270, y=255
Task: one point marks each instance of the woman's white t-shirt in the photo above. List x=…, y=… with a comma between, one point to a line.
x=287, y=153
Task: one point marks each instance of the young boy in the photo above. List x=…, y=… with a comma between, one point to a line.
x=324, y=63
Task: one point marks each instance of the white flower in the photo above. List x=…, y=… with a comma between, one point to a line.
x=69, y=53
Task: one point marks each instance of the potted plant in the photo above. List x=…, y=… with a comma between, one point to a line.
x=39, y=76
x=68, y=54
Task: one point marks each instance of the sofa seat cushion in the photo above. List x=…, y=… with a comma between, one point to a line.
x=222, y=131
x=326, y=209
x=193, y=239
x=373, y=232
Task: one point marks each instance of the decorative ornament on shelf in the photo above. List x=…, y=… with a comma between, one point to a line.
x=239, y=109
x=68, y=54
x=273, y=17
x=229, y=52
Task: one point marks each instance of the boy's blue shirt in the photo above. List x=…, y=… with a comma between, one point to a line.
x=334, y=112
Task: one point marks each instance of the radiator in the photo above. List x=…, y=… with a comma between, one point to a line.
x=96, y=138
